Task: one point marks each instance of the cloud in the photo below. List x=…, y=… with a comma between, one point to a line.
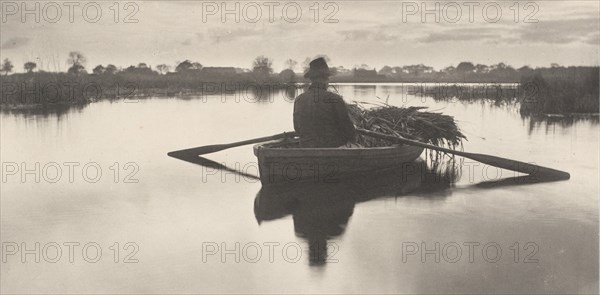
x=15, y=42
x=218, y=36
x=367, y=35
x=593, y=40
x=355, y=35
x=560, y=31
x=459, y=35
x=571, y=27
x=553, y=32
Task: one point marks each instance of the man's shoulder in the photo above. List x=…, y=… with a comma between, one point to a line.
x=320, y=95
x=301, y=97
x=328, y=95
x=333, y=97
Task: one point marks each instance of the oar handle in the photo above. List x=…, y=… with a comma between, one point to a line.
x=288, y=134
x=207, y=149
x=407, y=141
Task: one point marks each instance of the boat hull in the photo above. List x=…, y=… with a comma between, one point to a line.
x=279, y=165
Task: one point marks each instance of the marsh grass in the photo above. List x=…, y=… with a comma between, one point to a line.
x=571, y=91
x=44, y=88
x=496, y=93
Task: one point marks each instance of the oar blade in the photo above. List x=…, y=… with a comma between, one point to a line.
x=203, y=150
x=523, y=167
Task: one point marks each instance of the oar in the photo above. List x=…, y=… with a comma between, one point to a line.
x=191, y=158
x=486, y=159
x=207, y=149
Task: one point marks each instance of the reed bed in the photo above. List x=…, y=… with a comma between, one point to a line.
x=574, y=91
x=496, y=93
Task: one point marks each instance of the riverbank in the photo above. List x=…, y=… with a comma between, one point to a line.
x=540, y=91
x=40, y=90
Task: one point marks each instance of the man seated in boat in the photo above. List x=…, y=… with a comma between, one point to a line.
x=321, y=117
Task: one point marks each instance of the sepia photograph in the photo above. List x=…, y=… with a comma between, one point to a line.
x=299, y=147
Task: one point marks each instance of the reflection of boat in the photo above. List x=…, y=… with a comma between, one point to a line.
x=321, y=211
x=285, y=162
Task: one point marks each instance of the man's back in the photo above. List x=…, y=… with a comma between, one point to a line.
x=321, y=118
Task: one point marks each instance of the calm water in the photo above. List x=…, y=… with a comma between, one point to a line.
x=179, y=216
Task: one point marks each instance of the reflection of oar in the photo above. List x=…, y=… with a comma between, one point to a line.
x=207, y=149
x=503, y=163
x=209, y=163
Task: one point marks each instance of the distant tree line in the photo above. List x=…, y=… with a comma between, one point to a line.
x=262, y=71
x=463, y=72
x=569, y=89
x=78, y=86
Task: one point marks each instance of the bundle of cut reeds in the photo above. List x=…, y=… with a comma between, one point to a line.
x=409, y=122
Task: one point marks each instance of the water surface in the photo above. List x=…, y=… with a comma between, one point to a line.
x=176, y=212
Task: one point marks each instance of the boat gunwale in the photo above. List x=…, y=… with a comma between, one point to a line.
x=328, y=152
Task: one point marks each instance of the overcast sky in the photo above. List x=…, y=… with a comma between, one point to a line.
x=366, y=32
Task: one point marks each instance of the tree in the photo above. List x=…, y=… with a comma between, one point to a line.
x=140, y=69
x=481, y=69
x=340, y=70
x=399, y=70
x=465, y=67
x=76, y=57
x=163, y=68
x=130, y=69
x=386, y=70
x=262, y=65
x=417, y=70
x=7, y=66
x=324, y=56
x=499, y=66
x=503, y=71
x=30, y=66
x=76, y=69
x=110, y=69
x=287, y=76
x=77, y=62
x=184, y=66
x=99, y=70
x=362, y=67
x=291, y=64
x=449, y=70
x=196, y=66
x=525, y=69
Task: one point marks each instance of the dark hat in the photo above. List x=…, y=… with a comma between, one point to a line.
x=318, y=69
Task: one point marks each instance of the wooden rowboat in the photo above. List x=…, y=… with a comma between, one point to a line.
x=282, y=161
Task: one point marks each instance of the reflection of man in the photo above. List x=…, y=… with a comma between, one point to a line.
x=321, y=216
x=320, y=212
x=320, y=117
